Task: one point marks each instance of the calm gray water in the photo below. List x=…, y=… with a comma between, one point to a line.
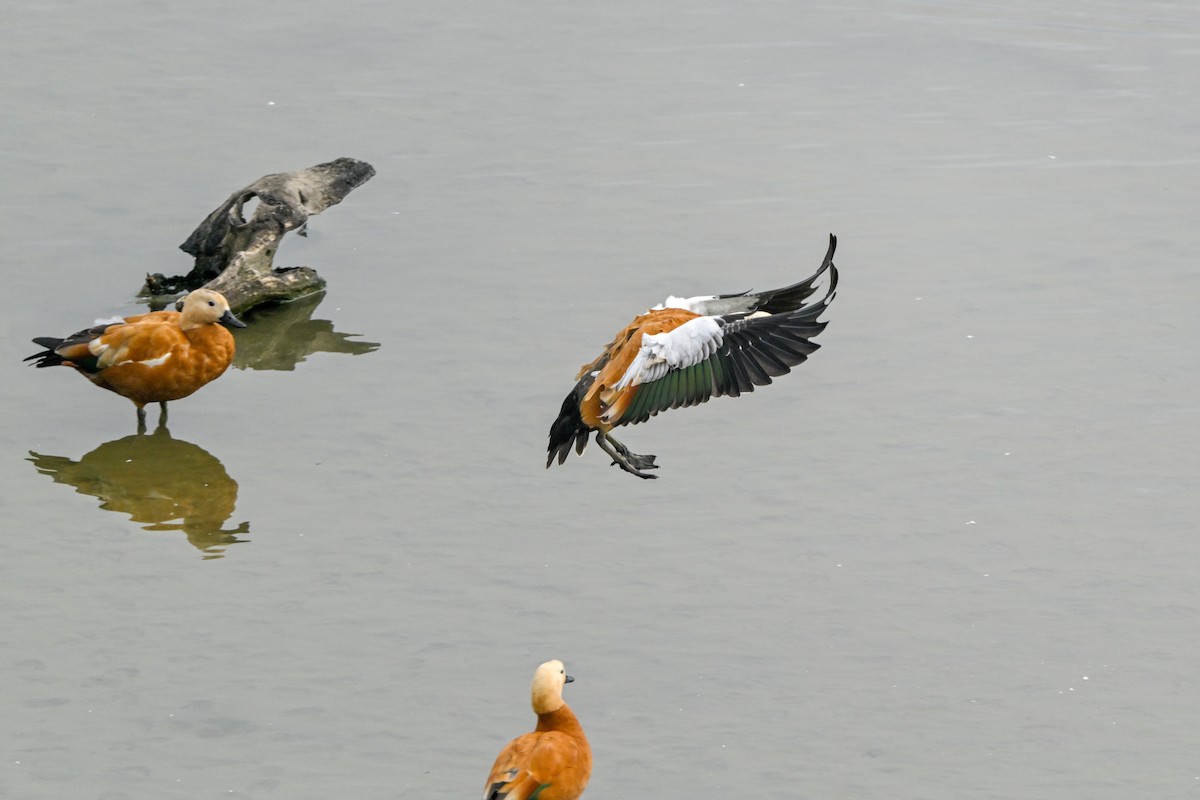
x=952, y=556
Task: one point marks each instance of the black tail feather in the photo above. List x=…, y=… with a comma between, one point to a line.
x=569, y=429
x=47, y=357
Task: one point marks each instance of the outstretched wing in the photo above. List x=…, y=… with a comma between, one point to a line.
x=775, y=301
x=714, y=356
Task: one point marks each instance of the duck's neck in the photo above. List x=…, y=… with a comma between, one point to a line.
x=561, y=719
x=206, y=332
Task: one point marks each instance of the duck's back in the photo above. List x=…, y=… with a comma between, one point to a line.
x=555, y=759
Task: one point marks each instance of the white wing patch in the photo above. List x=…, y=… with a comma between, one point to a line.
x=99, y=349
x=156, y=362
x=695, y=305
x=689, y=344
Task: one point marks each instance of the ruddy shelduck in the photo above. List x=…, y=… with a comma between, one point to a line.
x=553, y=762
x=151, y=358
x=684, y=351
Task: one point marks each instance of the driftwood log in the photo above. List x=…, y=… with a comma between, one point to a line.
x=235, y=255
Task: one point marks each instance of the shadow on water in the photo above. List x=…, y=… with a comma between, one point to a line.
x=163, y=483
x=281, y=336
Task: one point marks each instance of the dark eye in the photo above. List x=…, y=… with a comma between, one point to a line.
x=212, y=302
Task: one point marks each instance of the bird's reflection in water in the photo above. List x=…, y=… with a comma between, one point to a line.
x=281, y=336
x=162, y=483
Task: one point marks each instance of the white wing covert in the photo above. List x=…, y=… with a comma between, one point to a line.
x=689, y=344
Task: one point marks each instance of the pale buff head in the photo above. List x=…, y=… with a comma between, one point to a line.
x=548, y=682
x=205, y=307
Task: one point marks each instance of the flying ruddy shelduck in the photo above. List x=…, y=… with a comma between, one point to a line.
x=684, y=351
x=554, y=761
x=151, y=358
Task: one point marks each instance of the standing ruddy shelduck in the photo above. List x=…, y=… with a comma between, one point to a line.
x=552, y=763
x=684, y=351
x=151, y=358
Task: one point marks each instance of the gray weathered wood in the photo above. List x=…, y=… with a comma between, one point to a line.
x=235, y=255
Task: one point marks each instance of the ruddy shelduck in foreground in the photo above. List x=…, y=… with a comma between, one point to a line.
x=553, y=762
x=151, y=358
x=684, y=351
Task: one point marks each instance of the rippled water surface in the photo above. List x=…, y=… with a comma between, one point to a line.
x=953, y=555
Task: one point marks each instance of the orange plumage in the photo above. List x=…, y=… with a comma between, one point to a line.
x=683, y=352
x=602, y=402
x=151, y=358
x=553, y=762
